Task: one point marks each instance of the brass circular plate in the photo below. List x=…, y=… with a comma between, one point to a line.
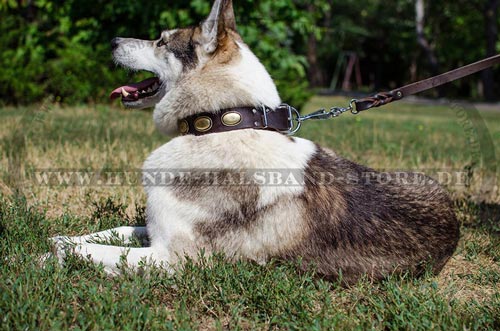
x=203, y=124
x=183, y=127
x=232, y=119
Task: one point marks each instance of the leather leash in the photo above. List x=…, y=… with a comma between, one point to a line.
x=380, y=99
x=384, y=98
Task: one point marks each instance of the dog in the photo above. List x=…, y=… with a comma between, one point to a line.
x=208, y=82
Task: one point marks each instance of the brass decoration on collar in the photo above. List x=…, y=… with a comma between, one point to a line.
x=232, y=119
x=183, y=127
x=203, y=124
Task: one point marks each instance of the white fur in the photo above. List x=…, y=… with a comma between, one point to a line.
x=252, y=76
x=144, y=55
x=247, y=150
x=171, y=220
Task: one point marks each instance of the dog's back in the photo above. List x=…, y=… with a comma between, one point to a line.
x=365, y=222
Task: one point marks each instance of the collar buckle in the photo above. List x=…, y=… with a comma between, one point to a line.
x=265, y=120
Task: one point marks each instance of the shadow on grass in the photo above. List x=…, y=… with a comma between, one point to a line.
x=109, y=214
x=478, y=215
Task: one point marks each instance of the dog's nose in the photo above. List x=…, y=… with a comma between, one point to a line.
x=115, y=42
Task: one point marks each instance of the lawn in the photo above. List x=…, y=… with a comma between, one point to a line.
x=213, y=294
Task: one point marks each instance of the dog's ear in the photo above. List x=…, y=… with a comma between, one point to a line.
x=221, y=18
x=228, y=15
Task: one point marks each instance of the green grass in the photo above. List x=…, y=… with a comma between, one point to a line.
x=214, y=294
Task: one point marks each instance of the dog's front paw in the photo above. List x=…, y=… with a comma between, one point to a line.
x=60, y=247
x=43, y=260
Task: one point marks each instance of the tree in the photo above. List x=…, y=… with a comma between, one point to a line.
x=61, y=48
x=314, y=72
x=490, y=13
x=424, y=43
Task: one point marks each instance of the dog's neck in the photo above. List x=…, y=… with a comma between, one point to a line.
x=244, y=82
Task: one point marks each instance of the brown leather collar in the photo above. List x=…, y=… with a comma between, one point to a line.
x=261, y=118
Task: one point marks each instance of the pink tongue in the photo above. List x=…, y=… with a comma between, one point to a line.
x=133, y=88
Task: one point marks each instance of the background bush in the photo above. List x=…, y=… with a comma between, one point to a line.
x=60, y=49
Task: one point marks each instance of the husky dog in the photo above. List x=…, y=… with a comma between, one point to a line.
x=361, y=223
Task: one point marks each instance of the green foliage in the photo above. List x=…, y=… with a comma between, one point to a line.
x=61, y=49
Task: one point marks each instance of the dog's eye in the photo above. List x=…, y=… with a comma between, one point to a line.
x=161, y=43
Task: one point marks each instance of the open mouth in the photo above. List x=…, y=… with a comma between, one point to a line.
x=135, y=92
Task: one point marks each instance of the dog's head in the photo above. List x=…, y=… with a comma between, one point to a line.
x=201, y=68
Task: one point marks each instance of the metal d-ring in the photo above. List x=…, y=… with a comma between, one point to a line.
x=297, y=123
x=294, y=120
